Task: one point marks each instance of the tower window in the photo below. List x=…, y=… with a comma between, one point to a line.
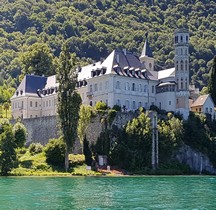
x=133, y=87
x=176, y=65
x=182, y=65
x=186, y=65
x=181, y=38
x=181, y=83
x=186, y=84
x=152, y=89
x=186, y=38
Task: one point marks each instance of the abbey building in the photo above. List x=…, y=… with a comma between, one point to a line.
x=121, y=79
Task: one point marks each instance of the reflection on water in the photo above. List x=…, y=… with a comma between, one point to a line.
x=96, y=193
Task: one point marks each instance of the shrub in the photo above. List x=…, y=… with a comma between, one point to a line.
x=55, y=152
x=20, y=134
x=117, y=108
x=35, y=148
x=100, y=106
x=76, y=160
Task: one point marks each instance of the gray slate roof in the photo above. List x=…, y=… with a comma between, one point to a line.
x=31, y=83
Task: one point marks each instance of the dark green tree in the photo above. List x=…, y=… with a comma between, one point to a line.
x=20, y=134
x=38, y=60
x=55, y=152
x=69, y=100
x=212, y=81
x=7, y=149
x=87, y=152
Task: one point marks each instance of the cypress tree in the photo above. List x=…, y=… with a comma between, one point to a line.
x=212, y=81
x=69, y=100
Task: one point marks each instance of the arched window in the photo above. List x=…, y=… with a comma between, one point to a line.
x=145, y=88
x=95, y=87
x=182, y=83
x=177, y=81
x=140, y=87
x=181, y=38
x=186, y=65
x=127, y=86
x=182, y=65
x=127, y=104
x=118, y=102
x=186, y=84
x=133, y=87
x=177, y=64
x=140, y=104
x=186, y=38
x=118, y=85
x=133, y=105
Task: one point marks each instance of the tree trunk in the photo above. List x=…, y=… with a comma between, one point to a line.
x=66, y=159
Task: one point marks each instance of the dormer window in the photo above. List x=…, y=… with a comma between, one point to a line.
x=21, y=92
x=93, y=73
x=126, y=70
x=117, y=69
x=17, y=93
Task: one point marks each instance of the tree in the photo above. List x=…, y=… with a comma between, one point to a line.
x=84, y=120
x=69, y=100
x=87, y=152
x=212, y=81
x=6, y=107
x=20, y=134
x=55, y=152
x=7, y=149
x=38, y=60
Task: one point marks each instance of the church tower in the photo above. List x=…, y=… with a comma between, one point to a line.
x=181, y=43
x=146, y=56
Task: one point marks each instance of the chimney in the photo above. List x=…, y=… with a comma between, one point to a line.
x=117, y=58
x=124, y=51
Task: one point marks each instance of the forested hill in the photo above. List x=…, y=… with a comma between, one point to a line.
x=96, y=27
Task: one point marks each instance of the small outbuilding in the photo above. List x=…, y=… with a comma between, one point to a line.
x=204, y=104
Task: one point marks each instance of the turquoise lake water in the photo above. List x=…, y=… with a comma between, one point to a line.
x=95, y=193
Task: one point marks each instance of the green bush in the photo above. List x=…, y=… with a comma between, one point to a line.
x=100, y=106
x=76, y=160
x=55, y=152
x=35, y=148
x=20, y=133
x=117, y=108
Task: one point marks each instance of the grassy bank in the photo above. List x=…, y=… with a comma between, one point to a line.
x=35, y=165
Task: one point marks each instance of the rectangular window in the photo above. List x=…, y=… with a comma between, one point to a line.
x=152, y=89
x=36, y=104
x=200, y=110
x=210, y=109
x=169, y=102
x=206, y=110
x=49, y=103
x=30, y=103
x=46, y=103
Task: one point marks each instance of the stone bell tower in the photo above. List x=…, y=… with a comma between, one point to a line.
x=181, y=43
x=146, y=56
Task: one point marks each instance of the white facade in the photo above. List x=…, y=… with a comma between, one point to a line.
x=121, y=79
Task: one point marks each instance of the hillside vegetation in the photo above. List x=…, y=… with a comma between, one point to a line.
x=34, y=29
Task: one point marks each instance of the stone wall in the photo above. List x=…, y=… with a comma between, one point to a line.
x=197, y=161
x=41, y=129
